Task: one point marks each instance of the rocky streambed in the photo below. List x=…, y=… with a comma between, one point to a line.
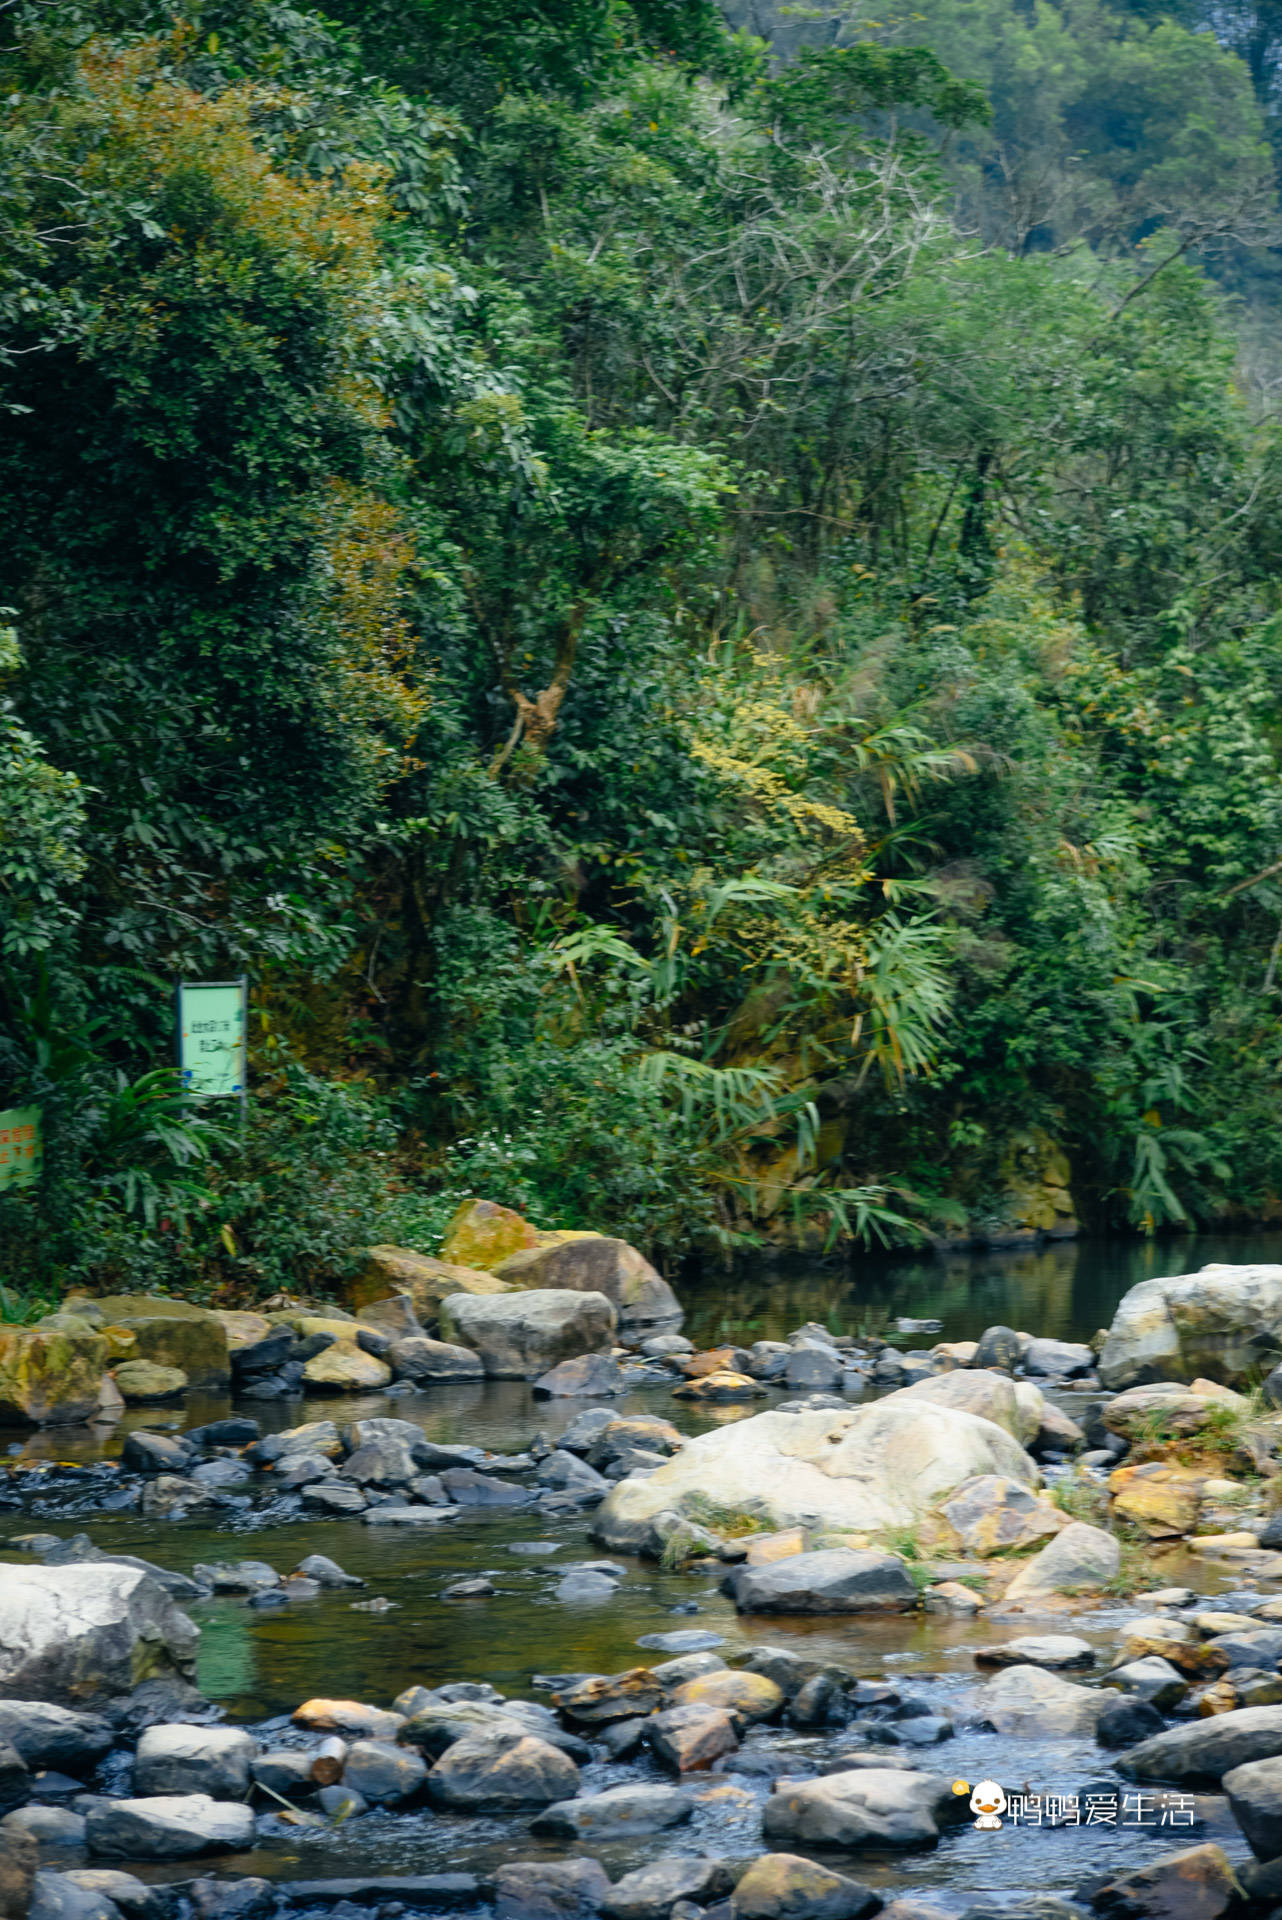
x=654, y=1633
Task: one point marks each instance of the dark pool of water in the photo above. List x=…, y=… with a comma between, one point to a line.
x=260, y=1664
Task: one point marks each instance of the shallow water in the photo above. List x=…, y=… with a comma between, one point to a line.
x=261, y=1663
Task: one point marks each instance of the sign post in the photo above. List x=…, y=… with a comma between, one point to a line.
x=212, y=1032
x=21, y=1148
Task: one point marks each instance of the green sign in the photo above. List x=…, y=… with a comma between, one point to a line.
x=21, y=1148
x=211, y=1038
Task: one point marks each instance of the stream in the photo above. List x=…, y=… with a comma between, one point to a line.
x=259, y=1664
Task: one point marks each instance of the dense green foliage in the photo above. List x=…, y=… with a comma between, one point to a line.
x=707, y=632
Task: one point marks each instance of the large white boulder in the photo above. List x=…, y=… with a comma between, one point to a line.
x=76, y=1635
x=1224, y=1323
x=874, y=1468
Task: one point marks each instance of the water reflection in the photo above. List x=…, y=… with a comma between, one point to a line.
x=1065, y=1291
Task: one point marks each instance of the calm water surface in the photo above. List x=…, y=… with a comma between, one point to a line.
x=261, y=1664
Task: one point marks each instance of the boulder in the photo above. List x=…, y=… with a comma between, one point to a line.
x=173, y=1827
x=1195, y=1884
x=749, y=1696
x=75, y=1635
x=142, y=1383
x=203, y=1760
x=549, y=1889
x=991, y=1514
x=415, y=1357
x=616, y=1696
x=352, y=1718
x=50, y=1378
x=130, y=1895
x=872, y=1806
x=483, y=1234
x=597, y=1263
x=867, y=1469
x=521, y=1335
x=48, y=1826
x=720, y=1389
x=495, y=1772
x=817, y=1369
x=55, y=1896
x=615, y=1814
x=1031, y=1703
x=1055, y=1651
x=15, y=1778
x=19, y=1858
x=1081, y=1559
x=1152, y=1679
x=1224, y=1322
x=171, y=1333
x=392, y=1271
x=383, y=1774
x=833, y=1580
x=344, y=1366
x=1200, y=1753
x=1062, y=1359
x=590, y=1374
x=1166, y=1410
x=1162, y=1499
x=1015, y=1405
x=56, y=1738
x=783, y=1886
x=999, y=1347
x=1127, y=1723
x=688, y=1739
x=1255, y=1797
x=653, y=1891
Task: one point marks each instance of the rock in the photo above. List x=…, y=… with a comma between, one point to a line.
x=1127, y=1723
x=1162, y=1499
x=332, y=1496
x=591, y=1373
x=1168, y=1411
x=315, y=1437
x=521, y=1335
x=238, y=1576
x=999, y=1347
x=783, y=1886
x=550, y=1889
x=1255, y=1798
x=652, y=1891
x=15, y=1778
x=766, y=1548
x=18, y=1860
x=1056, y=1651
x=173, y=1827
x=1029, y=1701
x=688, y=1739
x=245, y=1898
x=56, y=1897
x=1056, y=1433
x=418, y=1358
x=137, y=1901
x=615, y=1814
x=1057, y=1359
x=352, y=1718
x=327, y=1572
x=1016, y=1405
x=1152, y=1679
x=495, y=1772
x=57, y=1738
x=950, y=1596
x=720, y=1389
x=482, y=1234
x=627, y=1433
x=380, y=1462
x=666, y=1346
x=49, y=1377
x=833, y=1580
x=345, y=1367
x=596, y=1263
x=615, y=1696
x=813, y=1367
x=1081, y=1559
x=1196, y=1884
x=394, y=1316
x=200, y=1760
x=1201, y=1752
x=1224, y=1322
x=874, y=1806
x=471, y=1489
x=171, y=1333
x=750, y=1696
x=284, y=1771
x=383, y=1774
x=396, y=1271
x=566, y=1470
x=48, y=1826
x=993, y=1515
x=77, y=1634
x=865, y=1469
x=142, y=1382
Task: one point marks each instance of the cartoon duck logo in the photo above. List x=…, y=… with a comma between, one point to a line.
x=988, y=1803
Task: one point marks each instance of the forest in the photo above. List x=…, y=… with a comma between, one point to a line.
x=696, y=602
